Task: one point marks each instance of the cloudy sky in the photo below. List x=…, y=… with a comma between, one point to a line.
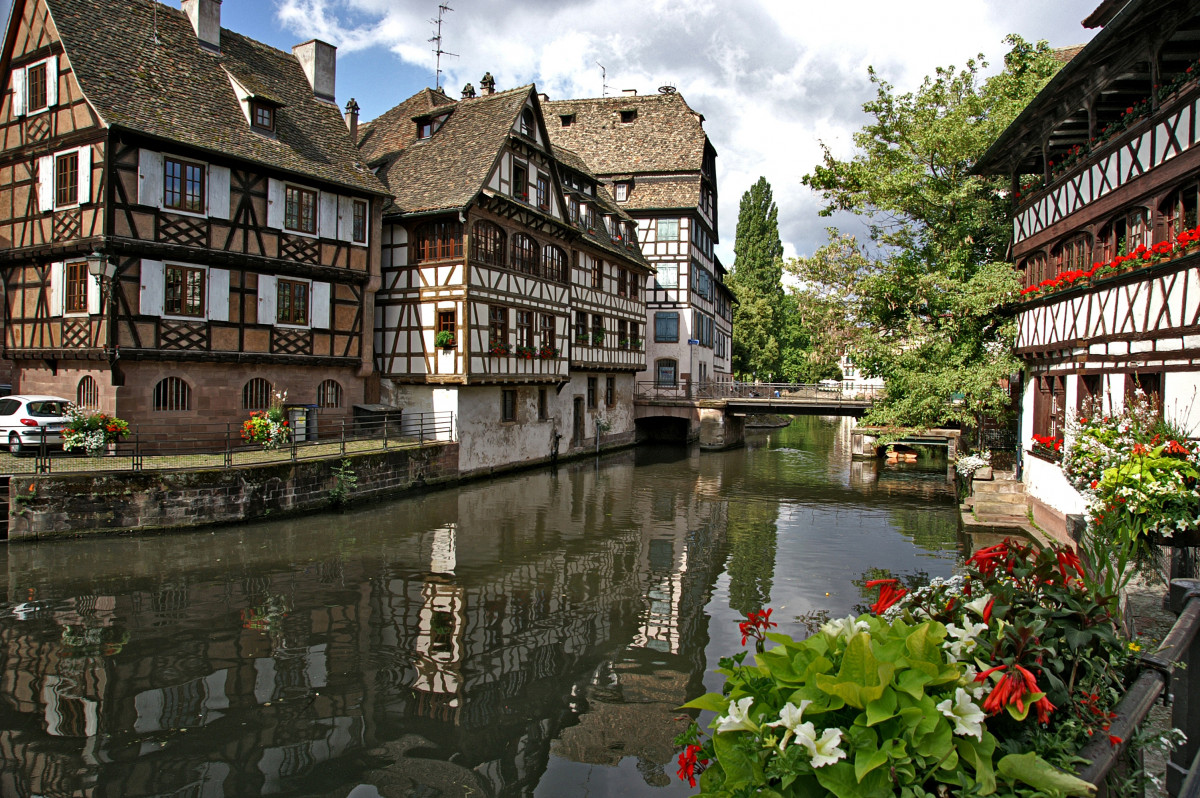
x=772, y=77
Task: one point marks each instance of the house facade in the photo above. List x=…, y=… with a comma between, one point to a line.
x=653, y=153
x=186, y=225
x=504, y=294
x=1105, y=174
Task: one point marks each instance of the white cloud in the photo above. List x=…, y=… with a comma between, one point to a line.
x=774, y=78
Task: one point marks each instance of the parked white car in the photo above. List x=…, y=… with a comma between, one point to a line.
x=23, y=419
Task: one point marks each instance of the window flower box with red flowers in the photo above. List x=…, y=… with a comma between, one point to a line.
x=1047, y=448
x=548, y=352
x=526, y=352
x=499, y=349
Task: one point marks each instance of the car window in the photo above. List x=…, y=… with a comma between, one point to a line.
x=45, y=409
x=8, y=406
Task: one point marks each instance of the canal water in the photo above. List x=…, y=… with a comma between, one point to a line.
x=533, y=635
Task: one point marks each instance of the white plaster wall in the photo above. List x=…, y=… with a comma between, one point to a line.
x=1181, y=399
x=1046, y=482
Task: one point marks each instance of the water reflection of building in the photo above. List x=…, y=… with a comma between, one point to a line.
x=482, y=632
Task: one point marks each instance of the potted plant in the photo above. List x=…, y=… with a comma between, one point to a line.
x=526, y=352
x=636, y=343
x=547, y=352
x=598, y=337
x=268, y=428
x=622, y=343
x=1047, y=447
x=446, y=339
x=91, y=432
x=498, y=348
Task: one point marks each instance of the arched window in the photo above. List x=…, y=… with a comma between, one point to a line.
x=1074, y=254
x=1035, y=268
x=256, y=394
x=554, y=264
x=1179, y=209
x=172, y=394
x=524, y=254
x=666, y=373
x=487, y=243
x=329, y=394
x=87, y=395
x=437, y=241
x=527, y=123
x=1125, y=233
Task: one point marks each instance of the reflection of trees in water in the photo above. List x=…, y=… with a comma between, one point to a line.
x=752, y=542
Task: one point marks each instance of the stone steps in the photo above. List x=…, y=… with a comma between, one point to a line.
x=998, y=502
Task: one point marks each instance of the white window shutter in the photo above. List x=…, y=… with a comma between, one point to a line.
x=327, y=205
x=45, y=176
x=93, y=294
x=320, y=305
x=345, y=228
x=18, y=96
x=85, y=174
x=56, y=289
x=268, y=305
x=275, y=200
x=218, y=294
x=150, y=299
x=52, y=81
x=218, y=192
x=150, y=178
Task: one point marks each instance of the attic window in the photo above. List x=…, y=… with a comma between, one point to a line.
x=262, y=116
x=527, y=122
x=567, y=119
x=628, y=116
x=622, y=191
x=428, y=126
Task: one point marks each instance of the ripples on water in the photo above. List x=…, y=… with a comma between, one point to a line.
x=532, y=635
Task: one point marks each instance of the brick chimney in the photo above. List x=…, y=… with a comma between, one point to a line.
x=319, y=62
x=352, y=120
x=468, y=92
x=487, y=84
x=205, y=16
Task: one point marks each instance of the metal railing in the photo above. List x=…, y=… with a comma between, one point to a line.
x=186, y=445
x=832, y=393
x=1173, y=673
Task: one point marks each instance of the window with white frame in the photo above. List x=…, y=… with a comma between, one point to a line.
x=64, y=179
x=35, y=87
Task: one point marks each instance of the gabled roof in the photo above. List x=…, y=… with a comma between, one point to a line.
x=141, y=67
x=447, y=170
x=666, y=135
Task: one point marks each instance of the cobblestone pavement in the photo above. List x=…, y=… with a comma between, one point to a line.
x=1151, y=621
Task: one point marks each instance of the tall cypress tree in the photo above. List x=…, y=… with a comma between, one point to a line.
x=757, y=282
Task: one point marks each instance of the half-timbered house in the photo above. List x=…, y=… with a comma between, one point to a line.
x=187, y=227
x=1105, y=175
x=653, y=154
x=479, y=249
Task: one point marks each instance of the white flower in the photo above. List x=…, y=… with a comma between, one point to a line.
x=964, y=638
x=789, y=718
x=844, y=627
x=967, y=717
x=978, y=605
x=824, y=751
x=738, y=718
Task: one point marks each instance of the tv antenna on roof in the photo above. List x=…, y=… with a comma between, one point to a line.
x=437, y=75
x=604, y=87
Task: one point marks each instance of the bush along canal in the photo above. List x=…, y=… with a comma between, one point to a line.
x=535, y=634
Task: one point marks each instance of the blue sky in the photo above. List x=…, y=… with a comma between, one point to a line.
x=774, y=78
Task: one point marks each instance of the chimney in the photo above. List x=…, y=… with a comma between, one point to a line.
x=352, y=120
x=319, y=62
x=629, y=92
x=487, y=84
x=468, y=92
x=206, y=21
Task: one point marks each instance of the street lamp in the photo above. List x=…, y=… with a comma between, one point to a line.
x=104, y=270
x=100, y=266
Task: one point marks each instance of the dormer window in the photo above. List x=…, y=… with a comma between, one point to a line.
x=622, y=191
x=427, y=126
x=629, y=115
x=527, y=124
x=262, y=116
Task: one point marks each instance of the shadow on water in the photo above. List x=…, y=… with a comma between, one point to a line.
x=532, y=635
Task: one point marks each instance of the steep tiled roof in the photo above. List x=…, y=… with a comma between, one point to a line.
x=657, y=193
x=446, y=170
x=665, y=136
x=151, y=75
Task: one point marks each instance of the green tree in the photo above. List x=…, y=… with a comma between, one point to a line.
x=919, y=309
x=756, y=280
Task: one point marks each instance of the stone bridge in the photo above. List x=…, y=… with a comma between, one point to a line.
x=715, y=412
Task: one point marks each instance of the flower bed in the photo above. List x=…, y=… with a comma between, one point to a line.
x=1183, y=243
x=983, y=684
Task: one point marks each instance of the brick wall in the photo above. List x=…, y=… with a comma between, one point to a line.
x=85, y=504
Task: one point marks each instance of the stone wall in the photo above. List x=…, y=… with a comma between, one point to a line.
x=54, y=505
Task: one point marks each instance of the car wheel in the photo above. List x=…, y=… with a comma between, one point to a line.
x=14, y=443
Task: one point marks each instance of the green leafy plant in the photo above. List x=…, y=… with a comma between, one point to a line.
x=268, y=428
x=598, y=336
x=954, y=687
x=445, y=339
x=498, y=348
x=92, y=432
x=345, y=480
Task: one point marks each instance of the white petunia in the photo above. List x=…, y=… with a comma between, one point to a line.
x=790, y=719
x=844, y=627
x=963, y=639
x=978, y=605
x=738, y=718
x=967, y=717
x=825, y=751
